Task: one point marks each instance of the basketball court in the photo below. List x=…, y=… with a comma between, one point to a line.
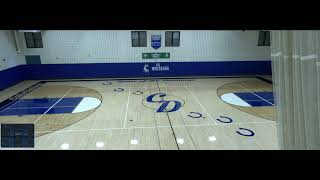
x=209, y=113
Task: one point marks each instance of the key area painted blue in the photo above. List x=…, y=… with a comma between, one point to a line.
x=36, y=111
x=61, y=110
x=247, y=96
x=265, y=95
x=22, y=112
x=40, y=106
x=257, y=99
x=271, y=101
x=259, y=103
x=73, y=101
x=44, y=102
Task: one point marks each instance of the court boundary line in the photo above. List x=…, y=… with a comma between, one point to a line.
x=149, y=78
x=128, y=101
x=155, y=127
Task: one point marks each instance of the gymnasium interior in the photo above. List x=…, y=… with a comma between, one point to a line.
x=159, y=89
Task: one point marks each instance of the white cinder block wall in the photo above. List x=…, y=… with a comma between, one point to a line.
x=115, y=47
x=8, y=56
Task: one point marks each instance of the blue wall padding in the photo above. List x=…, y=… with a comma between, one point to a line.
x=17, y=74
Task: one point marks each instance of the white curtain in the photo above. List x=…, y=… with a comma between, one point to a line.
x=296, y=79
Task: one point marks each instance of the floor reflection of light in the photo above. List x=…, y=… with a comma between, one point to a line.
x=212, y=138
x=180, y=141
x=65, y=146
x=99, y=144
x=134, y=141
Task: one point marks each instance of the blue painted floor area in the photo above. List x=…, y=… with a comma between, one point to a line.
x=265, y=95
x=40, y=106
x=258, y=103
x=257, y=99
x=33, y=103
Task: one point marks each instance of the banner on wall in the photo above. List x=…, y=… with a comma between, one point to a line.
x=156, y=41
x=157, y=67
x=162, y=55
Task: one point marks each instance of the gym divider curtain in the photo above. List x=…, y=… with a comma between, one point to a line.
x=296, y=81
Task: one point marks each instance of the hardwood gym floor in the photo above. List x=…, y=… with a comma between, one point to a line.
x=155, y=114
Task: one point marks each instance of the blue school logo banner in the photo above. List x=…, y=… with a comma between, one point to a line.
x=156, y=41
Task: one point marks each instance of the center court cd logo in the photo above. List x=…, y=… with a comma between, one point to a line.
x=162, y=102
